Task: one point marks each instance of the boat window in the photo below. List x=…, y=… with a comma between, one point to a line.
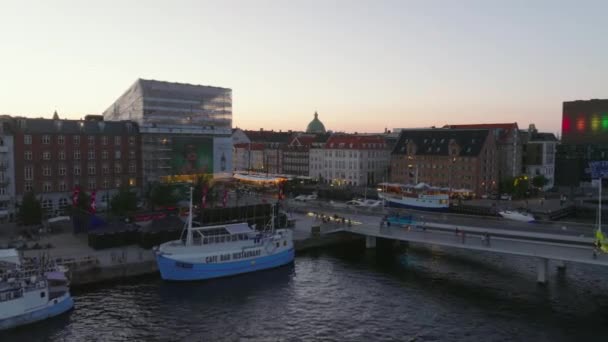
x=278, y=245
x=205, y=241
x=234, y=237
x=42, y=294
x=284, y=243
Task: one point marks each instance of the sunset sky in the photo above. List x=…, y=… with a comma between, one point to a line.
x=363, y=65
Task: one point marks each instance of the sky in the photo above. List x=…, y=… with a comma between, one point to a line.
x=363, y=65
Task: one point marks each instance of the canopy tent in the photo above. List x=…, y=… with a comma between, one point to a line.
x=258, y=178
x=239, y=228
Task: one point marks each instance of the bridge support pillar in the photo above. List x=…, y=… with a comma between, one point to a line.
x=541, y=270
x=561, y=265
x=370, y=242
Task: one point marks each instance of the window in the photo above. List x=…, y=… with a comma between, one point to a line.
x=28, y=173
x=117, y=183
x=117, y=140
x=117, y=168
x=131, y=154
x=91, y=155
x=104, y=140
x=132, y=167
x=106, y=183
x=105, y=169
x=46, y=139
x=27, y=186
x=27, y=139
x=76, y=170
x=131, y=140
x=46, y=155
x=63, y=202
x=91, y=169
x=61, y=155
x=47, y=187
x=62, y=187
x=104, y=155
x=92, y=184
x=77, y=155
x=91, y=140
x=132, y=182
x=27, y=155
x=77, y=140
x=46, y=171
x=116, y=154
x=60, y=139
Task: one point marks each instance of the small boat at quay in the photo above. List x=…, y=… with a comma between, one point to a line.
x=208, y=252
x=31, y=290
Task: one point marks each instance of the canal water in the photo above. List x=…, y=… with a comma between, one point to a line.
x=348, y=295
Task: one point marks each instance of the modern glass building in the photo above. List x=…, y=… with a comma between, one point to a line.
x=186, y=129
x=167, y=103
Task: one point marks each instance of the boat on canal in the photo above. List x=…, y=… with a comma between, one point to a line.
x=514, y=215
x=31, y=290
x=418, y=197
x=214, y=251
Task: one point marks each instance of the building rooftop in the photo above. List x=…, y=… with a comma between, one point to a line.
x=355, y=142
x=41, y=126
x=437, y=141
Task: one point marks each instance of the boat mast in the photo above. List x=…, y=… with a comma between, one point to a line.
x=189, y=231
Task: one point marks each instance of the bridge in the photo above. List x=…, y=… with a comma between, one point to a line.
x=543, y=242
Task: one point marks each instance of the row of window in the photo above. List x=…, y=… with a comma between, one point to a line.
x=63, y=186
x=354, y=154
x=61, y=139
x=76, y=170
x=47, y=155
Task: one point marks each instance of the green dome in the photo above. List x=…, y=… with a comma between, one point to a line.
x=315, y=126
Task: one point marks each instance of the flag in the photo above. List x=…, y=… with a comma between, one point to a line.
x=204, y=198
x=93, y=208
x=75, y=195
x=225, y=200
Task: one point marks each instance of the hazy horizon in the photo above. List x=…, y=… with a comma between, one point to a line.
x=363, y=66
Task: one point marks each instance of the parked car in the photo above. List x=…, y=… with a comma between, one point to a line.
x=505, y=197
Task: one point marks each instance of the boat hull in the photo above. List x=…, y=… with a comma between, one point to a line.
x=51, y=309
x=169, y=269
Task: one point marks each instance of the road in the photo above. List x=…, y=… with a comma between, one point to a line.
x=374, y=215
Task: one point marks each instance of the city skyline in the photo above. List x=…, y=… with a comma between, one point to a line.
x=364, y=67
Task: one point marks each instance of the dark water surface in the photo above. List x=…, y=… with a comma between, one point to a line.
x=348, y=295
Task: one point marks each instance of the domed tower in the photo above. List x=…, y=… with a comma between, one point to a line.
x=315, y=126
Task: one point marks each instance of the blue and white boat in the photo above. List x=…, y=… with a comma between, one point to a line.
x=223, y=250
x=418, y=197
x=31, y=292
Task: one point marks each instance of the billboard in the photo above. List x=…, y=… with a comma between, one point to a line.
x=192, y=155
x=585, y=122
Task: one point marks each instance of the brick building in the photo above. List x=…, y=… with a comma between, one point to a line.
x=509, y=146
x=450, y=158
x=52, y=156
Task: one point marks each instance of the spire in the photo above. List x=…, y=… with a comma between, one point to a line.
x=55, y=116
x=316, y=115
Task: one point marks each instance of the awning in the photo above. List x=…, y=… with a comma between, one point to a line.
x=238, y=228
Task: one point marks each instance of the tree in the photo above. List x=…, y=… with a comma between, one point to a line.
x=30, y=211
x=540, y=181
x=162, y=195
x=521, y=185
x=123, y=202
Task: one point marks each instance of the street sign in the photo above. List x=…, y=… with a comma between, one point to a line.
x=599, y=169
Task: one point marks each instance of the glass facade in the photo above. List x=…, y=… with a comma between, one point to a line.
x=165, y=103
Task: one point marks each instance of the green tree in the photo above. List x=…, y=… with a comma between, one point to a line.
x=162, y=195
x=540, y=181
x=123, y=202
x=30, y=211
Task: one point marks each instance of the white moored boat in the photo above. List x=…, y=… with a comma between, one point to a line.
x=223, y=250
x=517, y=216
x=419, y=197
x=30, y=291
